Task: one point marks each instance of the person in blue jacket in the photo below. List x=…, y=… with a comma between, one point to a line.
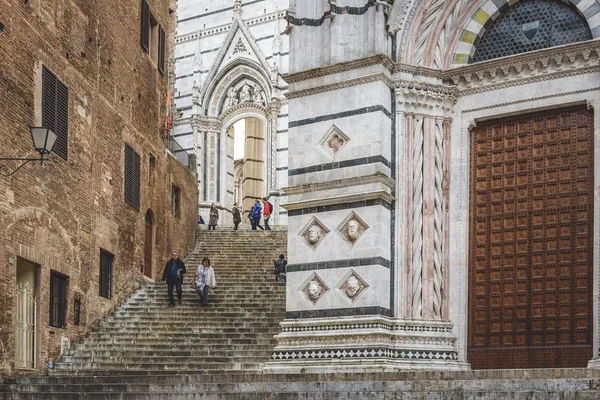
x=257, y=212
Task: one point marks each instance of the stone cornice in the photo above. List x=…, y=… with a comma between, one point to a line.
x=240, y=107
x=536, y=66
x=340, y=85
x=325, y=201
x=361, y=180
x=341, y=67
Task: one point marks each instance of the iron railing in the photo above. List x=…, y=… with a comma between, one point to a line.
x=179, y=152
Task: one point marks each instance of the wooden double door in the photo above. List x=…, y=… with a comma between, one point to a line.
x=531, y=241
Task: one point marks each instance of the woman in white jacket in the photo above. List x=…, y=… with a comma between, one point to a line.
x=204, y=278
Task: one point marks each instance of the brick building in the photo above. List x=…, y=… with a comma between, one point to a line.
x=82, y=232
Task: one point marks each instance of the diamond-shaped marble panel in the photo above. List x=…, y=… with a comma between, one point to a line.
x=352, y=286
x=352, y=227
x=314, y=288
x=333, y=141
x=314, y=232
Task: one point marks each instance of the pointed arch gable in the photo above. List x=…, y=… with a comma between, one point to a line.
x=234, y=72
x=490, y=10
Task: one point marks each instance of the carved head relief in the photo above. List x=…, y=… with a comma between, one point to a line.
x=314, y=232
x=315, y=288
x=352, y=227
x=353, y=286
x=333, y=141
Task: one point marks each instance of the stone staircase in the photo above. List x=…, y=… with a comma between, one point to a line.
x=146, y=350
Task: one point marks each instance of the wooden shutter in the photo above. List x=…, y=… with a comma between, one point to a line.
x=132, y=178
x=145, y=27
x=161, y=50
x=106, y=264
x=55, y=110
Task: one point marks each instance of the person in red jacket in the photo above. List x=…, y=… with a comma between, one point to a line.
x=266, y=213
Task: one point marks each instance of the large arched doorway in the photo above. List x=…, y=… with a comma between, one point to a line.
x=148, y=243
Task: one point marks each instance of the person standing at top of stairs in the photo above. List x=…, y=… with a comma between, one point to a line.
x=267, y=213
x=256, y=216
x=173, y=274
x=213, y=217
x=237, y=218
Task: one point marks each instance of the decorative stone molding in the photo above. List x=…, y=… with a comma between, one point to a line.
x=364, y=343
x=417, y=218
x=522, y=69
x=430, y=17
x=226, y=115
x=314, y=288
x=341, y=67
x=333, y=141
x=341, y=85
x=352, y=286
x=427, y=99
x=314, y=232
x=438, y=220
x=352, y=228
x=206, y=125
x=340, y=183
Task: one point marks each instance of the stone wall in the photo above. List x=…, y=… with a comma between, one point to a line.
x=61, y=215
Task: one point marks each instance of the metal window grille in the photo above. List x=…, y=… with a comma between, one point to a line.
x=180, y=153
x=76, y=311
x=531, y=25
x=106, y=270
x=58, y=300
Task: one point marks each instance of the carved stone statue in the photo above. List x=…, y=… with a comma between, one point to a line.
x=352, y=286
x=245, y=95
x=314, y=290
x=314, y=234
x=231, y=98
x=353, y=230
x=258, y=97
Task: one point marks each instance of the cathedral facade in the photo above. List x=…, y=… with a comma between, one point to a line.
x=438, y=165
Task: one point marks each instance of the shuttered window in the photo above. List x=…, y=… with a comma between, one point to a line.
x=132, y=178
x=58, y=300
x=55, y=110
x=161, y=50
x=145, y=26
x=106, y=272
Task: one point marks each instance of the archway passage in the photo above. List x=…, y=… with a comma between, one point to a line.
x=148, y=245
x=249, y=161
x=531, y=241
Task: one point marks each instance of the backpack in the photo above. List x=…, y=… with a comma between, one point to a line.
x=270, y=207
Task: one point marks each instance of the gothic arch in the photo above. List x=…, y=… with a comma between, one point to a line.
x=235, y=72
x=445, y=32
x=489, y=10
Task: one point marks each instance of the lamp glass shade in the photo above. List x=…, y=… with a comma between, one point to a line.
x=43, y=139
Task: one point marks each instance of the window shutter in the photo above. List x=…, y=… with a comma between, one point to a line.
x=132, y=178
x=61, y=147
x=55, y=110
x=145, y=27
x=161, y=50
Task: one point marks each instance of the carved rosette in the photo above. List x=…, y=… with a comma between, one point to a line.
x=333, y=141
x=314, y=288
x=352, y=286
x=352, y=228
x=314, y=233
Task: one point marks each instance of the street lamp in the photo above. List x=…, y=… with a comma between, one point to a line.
x=43, y=142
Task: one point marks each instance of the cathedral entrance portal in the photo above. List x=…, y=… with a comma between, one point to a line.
x=530, y=262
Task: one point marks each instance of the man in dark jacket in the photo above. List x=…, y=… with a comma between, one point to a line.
x=280, y=264
x=173, y=274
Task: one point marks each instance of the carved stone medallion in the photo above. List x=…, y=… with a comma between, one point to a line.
x=315, y=288
x=352, y=286
x=333, y=141
x=314, y=232
x=352, y=227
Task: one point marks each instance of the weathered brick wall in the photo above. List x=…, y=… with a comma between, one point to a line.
x=61, y=215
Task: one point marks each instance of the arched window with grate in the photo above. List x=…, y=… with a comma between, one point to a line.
x=531, y=25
